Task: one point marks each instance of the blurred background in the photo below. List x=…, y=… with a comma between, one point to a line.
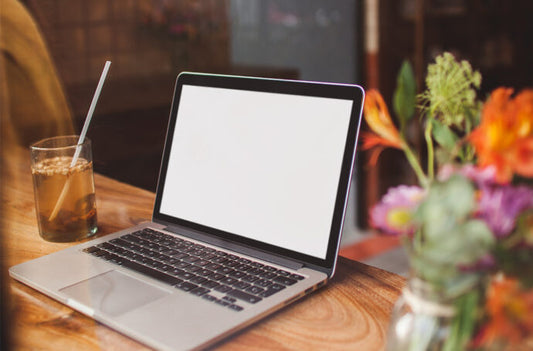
x=344, y=41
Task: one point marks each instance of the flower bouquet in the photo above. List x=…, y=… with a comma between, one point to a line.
x=467, y=225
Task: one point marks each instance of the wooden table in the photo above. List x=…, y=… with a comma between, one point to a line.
x=350, y=313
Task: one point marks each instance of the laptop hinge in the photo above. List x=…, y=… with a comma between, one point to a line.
x=243, y=249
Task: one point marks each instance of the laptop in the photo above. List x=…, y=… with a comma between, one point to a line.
x=248, y=215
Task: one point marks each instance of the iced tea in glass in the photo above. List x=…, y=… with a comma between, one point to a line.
x=64, y=192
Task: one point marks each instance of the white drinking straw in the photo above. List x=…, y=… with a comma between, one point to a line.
x=81, y=139
x=90, y=113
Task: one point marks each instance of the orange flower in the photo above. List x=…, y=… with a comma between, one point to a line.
x=510, y=310
x=504, y=137
x=379, y=120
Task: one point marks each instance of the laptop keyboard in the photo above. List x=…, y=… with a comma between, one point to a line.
x=215, y=275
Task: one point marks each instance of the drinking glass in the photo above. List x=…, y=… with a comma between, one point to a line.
x=64, y=191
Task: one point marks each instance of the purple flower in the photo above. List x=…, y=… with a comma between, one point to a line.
x=394, y=214
x=499, y=206
x=481, y=176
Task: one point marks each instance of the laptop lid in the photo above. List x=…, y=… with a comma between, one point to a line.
x=261, y=163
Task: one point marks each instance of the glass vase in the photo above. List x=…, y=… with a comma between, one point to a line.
x=421, y=319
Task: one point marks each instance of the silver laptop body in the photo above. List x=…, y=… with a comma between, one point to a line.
x=255, y=175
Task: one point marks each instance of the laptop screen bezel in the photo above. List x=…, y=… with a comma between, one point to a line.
x=353, y=93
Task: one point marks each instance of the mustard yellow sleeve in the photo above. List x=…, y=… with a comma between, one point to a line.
x=33, y=102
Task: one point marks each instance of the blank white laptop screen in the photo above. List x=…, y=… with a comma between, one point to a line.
x=280, y=188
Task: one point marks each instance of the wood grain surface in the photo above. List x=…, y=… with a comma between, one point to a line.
x=350, y=313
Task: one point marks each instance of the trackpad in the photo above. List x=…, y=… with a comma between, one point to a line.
x=113, y=293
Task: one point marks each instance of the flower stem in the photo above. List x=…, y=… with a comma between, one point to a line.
x=431, y=152
x=411, y=158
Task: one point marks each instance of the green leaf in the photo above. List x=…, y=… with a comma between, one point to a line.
x=477, y=240
x=446, y=204
x=443, y=135
x=464, y=321
x=404, y=99
x=460, y=244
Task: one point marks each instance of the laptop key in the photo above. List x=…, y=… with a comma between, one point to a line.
x=232, y=263
x=185, y=275
x=180, y=256
x=146, y=261
x=107, y=255
x=118, y=260
x=284, y=280
x=235, y=307
x=263, y=283
x=132, y=238
x=229, y=299
x=156, y=264
x=169, y=252
x=99, y=253
x=192, y=268
x=186, y=286
x=256, y=271
x=255, y=290
x=243, y=267
x=166, y=268
x=204, y=272
x=153, y=273
x=269, y=269
x=228, y=280
x=155, y=247
x=198, y=280
x=268, y=275
x=91, y=249
x=175, y=271
x=271, y=290
x=223, y=288
x=136, y=257
x=136, y=248
x=220, y=259
x=106, y=246
x=150, y=253
x=241, y=285
x=210, y=284
x=191, y=259
x=250, y=278
x=237, y=274
x=213, y=266
x=283, y=273
x=170, y=261
x=199, y=291
x=202, y=263
x=217, y=276
x=222, y=302
x=209, y=297
x=182, y=265
x=122, y=243
x=241, y=295
x=225, y=270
